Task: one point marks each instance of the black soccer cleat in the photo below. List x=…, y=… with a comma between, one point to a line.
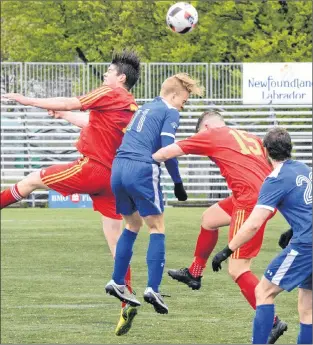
x=279, y=327
x=183, y=275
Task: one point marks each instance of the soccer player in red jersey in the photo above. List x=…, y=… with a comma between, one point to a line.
x=243, y=163
x=111, y=108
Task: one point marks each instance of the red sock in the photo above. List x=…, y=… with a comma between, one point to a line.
x=247, y=283
x=128, y=283
x=9, y=196
x=206, y=242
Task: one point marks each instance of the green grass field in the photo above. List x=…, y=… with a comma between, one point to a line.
x=54, y=264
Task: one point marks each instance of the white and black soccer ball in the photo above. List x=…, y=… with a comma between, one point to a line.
x=182, y=17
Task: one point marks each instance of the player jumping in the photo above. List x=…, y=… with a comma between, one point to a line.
x=136, y=186
x=289, y=189
x=241, y=159
x=111, y=109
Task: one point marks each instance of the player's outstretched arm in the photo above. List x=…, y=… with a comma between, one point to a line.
x=172, y=168
x=77, y=119
x=248, y=229
x=168, y=152
x=56, y=103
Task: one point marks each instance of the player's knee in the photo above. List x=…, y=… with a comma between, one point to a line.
x=133, y=222
x=155, y=224
x=265, y=293
x=33, y=180
x=157, y=229
x=234, y=272
x=260, y=294
x=134, y=225
x=139, y=222
x=205, y=220
x=237, y=267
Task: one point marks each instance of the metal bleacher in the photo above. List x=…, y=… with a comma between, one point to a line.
x=30, y=140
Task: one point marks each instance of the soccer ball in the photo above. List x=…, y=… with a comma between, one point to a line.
x=182, y=17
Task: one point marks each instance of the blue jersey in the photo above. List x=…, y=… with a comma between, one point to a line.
x=143, y=134
x=289, y=189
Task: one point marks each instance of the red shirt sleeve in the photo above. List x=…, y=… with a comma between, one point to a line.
x=199, y=144
x=105, y=98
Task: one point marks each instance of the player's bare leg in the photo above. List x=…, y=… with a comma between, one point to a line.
x=212, y=219
x=305, y=314
x=155, y=262
x=112, y=230
x=239, y=270
x=305, y=306
x=22, y=189
x=133, y=222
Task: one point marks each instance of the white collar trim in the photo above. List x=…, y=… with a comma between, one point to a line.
x=276, y=171
x=168, y=105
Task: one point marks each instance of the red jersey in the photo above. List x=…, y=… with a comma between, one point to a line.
x=240, y=157
x=111, y=111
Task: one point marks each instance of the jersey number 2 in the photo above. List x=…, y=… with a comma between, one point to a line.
x=308, y=190
x=247, y=145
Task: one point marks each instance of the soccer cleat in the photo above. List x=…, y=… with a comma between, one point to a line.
x=122, y=293
x=128, y=314
x=183, y=275
x=156, y=300
x=279, y=327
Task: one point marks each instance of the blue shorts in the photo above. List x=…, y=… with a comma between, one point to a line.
x=292, y=268
x=136, y=187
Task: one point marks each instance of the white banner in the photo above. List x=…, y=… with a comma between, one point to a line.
x=279, y=83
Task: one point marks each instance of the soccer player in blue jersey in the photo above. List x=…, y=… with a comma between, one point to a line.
x=135, y=183
x=289, y=189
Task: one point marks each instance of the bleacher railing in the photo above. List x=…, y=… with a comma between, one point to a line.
x=31, y=140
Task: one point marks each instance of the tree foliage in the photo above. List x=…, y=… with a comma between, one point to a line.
x=228, y=31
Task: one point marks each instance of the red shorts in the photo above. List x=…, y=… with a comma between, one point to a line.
x=83, y=176
x=238, y=217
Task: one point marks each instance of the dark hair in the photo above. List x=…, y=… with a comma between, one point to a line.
x=277, y=141
x=128, y=63
x=205, y=115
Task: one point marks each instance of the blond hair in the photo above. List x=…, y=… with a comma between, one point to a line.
x=179, y=82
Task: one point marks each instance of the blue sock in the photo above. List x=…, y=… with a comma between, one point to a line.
x=263, y=323
x=156, y=260
x=305, y=334
x=123, y=255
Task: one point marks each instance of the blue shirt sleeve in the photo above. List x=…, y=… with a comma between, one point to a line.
x=272, y=193
x=171, y=164
x=168, y=132
x=171, y=123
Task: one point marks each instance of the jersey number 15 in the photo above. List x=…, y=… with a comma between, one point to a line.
x=247, y=145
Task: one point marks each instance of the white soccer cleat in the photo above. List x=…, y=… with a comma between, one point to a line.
x=156, y=300
x=122, y=293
